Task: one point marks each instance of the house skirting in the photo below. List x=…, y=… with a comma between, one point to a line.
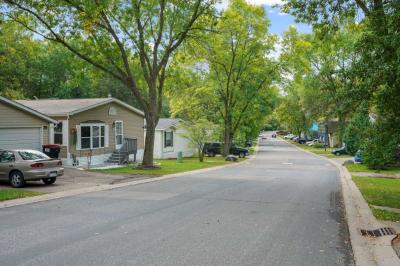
x=99, y=159
x=174, y=154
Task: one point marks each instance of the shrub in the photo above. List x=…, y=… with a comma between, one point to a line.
x=319, y=145
x=379, y=149
x=356, y=131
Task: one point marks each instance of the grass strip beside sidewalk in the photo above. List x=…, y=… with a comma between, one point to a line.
x=170, y=166
x=386, y=215
x=364, y=168
x=9, y=194
x=311, y=148
x=383, y=192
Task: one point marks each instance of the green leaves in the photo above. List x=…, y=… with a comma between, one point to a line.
x=225, y=74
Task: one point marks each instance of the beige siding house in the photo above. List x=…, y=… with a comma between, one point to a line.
x=91, y=131
x=22, y=127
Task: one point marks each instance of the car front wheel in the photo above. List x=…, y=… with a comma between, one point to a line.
x=241, y=155
x=17, y=179
x=337, y=153
x=49, y=181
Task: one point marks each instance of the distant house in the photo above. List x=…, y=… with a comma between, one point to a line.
x=23, y=127
x=332, y=134
x=92, y=130
x=169, y=140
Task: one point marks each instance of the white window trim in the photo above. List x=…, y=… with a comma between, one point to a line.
x=169, y=148
x=51, y=133
x=115, y=131
x=91, y=125
x=63, y=133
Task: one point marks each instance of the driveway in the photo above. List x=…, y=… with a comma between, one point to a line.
x=74, y=178
x=282, y=208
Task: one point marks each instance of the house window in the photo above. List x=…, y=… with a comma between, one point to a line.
x=92, y=136
x=58, y=133
x=168, y=139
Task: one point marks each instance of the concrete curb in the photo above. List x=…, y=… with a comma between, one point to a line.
x=74, y=192
x=367, y=251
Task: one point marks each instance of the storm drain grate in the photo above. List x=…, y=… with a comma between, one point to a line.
x=384, y=231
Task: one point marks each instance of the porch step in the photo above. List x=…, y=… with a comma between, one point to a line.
x=116, y=156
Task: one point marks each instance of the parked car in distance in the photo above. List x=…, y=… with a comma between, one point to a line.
x=19, y=166
x=339, y=151
x=301, y=140
x=273, y=135
x=249, y=143
x=358, y=157
x=289, y=136
x=214, y=148
x=312, y=142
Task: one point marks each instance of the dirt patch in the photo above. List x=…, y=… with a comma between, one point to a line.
x=396, y=245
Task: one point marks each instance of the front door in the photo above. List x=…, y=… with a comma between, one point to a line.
x=119, y=134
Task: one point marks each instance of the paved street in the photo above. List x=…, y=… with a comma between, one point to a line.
x=282, y=208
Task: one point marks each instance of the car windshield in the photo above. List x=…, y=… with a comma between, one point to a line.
x=32, y=155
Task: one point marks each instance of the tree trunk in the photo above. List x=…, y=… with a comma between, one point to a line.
x=201, y=155
x=227, y=139
x=149, y=142
x=341, y=129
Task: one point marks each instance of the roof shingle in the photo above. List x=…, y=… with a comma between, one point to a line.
x=54, y=107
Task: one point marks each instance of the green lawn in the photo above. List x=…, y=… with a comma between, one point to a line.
x=171, y=166
x=386, y=215
x=340, y=156
x=395, y=169
x=312, y=149
x=9, y=194
x=380, y=192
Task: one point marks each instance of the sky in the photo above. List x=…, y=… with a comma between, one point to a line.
x=279, y=21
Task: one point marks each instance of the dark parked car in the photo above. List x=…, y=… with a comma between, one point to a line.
x=301, y=140
x=339, y=151
x=274, y=135
x=249, y=143
x=213, y=148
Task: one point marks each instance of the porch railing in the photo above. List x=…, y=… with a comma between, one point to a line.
x=128, y=147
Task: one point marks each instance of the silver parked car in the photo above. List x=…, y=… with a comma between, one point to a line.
x=19, y=166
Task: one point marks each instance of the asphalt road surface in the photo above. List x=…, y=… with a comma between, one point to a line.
x=282, y=208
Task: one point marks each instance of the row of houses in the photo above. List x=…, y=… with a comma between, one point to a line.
x=87, y=130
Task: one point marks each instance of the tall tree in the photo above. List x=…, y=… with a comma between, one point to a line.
x=321, y=69
x=377, y=66
x=132, y=41
x=236, y=54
